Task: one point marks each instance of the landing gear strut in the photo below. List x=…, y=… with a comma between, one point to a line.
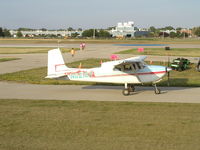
x=128, y=88
x=157, y=91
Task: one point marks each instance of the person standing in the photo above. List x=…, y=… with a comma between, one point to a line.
x=83, y=45
x=72, y=52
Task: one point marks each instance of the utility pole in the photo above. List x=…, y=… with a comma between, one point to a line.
x=94, y=34
x=163, y=34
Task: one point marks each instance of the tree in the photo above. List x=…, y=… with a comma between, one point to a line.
x=136, y=28
x=169, y=28
x=80, y=29
x=152, y=29
x=110, y=28
x=43, y=29
x=70, y=29
x=104, y=34
x=1, y=32
x=101, y=33
x=163, y=34
x=74, y=35
x=6, y=33
x=179, y=29
x=25, y=29
x=172, y=35
x=19, y=34
x=196, y=31
x=89, y=33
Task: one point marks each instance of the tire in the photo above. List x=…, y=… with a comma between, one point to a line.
x=131, y=88
x=126, y=92
x=157, y=91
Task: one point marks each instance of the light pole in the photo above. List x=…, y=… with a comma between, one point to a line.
x=94, y=34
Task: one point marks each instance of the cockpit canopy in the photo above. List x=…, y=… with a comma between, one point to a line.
x=134, y=66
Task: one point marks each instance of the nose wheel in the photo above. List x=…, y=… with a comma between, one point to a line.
x=128, y=89
x=126, y=92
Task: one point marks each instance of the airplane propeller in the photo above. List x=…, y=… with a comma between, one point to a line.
x=168, y=76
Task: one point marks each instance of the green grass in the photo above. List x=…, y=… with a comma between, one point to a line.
x=29, y=50
x=84, y=125
x=193, y=52
x=189, y=77
x=8, y=59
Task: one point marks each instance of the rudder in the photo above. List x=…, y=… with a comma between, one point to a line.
x=56, y=64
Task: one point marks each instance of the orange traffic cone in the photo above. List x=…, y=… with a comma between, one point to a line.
x=80, y=66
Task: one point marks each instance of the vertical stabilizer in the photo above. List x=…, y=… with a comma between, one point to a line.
x=56, y=64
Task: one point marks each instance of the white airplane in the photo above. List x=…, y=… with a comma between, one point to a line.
x=129, y=72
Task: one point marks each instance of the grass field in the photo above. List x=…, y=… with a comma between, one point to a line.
x=190, y=52
x=8, y=59
x=84, y=125
x=110, y=41
x=188, y=77
x=29, y=50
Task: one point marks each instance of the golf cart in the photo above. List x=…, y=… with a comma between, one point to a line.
x=180, y=64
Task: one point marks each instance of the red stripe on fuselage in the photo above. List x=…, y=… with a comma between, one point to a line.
x=131, y=74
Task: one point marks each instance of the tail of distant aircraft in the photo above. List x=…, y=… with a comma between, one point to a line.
x=56, y=64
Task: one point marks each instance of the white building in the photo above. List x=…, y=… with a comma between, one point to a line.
x=33, y=33
x=125, y=29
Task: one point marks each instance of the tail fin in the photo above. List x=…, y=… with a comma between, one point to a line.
x=56, y=64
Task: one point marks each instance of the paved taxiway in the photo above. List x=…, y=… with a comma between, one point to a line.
x=10, y=90
x=97, y=93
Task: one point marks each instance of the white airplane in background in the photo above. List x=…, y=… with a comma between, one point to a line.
x=129, y=72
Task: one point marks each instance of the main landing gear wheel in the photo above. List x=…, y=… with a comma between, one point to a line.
x=126, y=92
x=157, y=91
x=128, y=89
x=131, y=88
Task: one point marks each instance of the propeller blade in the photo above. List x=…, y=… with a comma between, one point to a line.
x=168, y=70
x=168, y=75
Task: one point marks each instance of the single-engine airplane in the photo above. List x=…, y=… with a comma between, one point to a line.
x=129, y=72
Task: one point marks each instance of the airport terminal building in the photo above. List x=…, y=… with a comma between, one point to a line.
x=125, y=29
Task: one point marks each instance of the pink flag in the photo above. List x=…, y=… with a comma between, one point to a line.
x=114, y=57
x=140, y=49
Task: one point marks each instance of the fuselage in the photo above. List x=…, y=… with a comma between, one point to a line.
x=150, y=73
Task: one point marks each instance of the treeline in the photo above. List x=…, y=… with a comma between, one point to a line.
x=4, y=32
x=173, y=32
x=96, y=33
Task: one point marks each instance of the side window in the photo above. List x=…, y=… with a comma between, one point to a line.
x=134, y=66
x=141, y=65
x=119, y=68
x=138, y=65
x=127, y=67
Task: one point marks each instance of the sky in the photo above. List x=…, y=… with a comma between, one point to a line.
x=61, y=14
